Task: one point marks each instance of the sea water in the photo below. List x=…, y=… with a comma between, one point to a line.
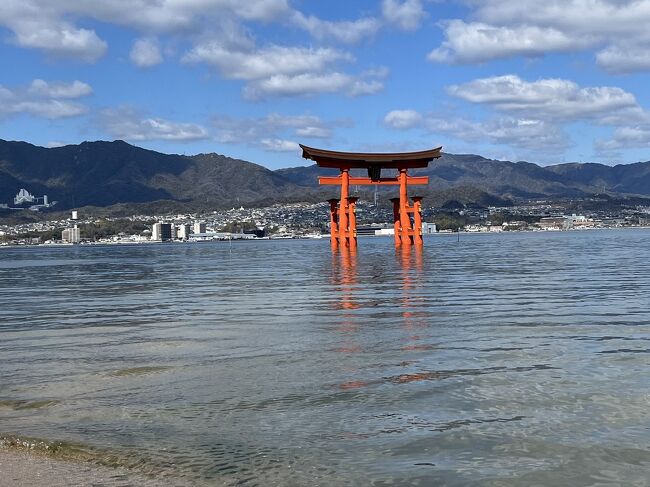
x=511, y=359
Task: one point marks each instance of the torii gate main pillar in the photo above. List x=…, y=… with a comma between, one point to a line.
x=343, y=222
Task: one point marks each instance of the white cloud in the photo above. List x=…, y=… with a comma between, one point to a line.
x=551, y=99
x=534, y=115
x=554, y=103
x=477, y=42
x=265, y=10
x=37, y=24
x=314, y=132
x=502, y=28
x=145, y=15
x=285, y=71
x=44, y=99
x=279, y=145
x=274, y=132
x=625, y=138
x=404, y=14
x=56, y=27
x=273, y=127
x=523, y=133
x=263, y=63
x=347, y=31
x=624, y=58
x=310, y=84
x=407, y=14
x=76, y=89
x=582, y=16
x=128, y=124
x=359, y=87
x=52, y=26
x=179, y=16
x=403, y=119
x=528, y=134
x=146, y=53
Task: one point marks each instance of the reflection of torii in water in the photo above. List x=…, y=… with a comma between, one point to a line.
x=352, y=300
x=345, y=281
x=343, y=226
x=410, y=263
x=346, y=278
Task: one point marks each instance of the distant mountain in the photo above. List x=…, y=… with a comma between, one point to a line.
x=472, y=177
x=622, y=179
x=117, y=173
x=107, y=173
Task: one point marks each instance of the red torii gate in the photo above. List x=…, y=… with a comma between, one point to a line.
x=343, y=224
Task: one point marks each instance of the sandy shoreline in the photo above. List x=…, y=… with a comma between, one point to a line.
x=25, y=469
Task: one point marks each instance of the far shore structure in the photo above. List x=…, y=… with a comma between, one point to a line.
x=343, y=223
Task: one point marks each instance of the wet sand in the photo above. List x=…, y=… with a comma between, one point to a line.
x=24, y=469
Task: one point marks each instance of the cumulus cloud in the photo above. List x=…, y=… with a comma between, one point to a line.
x=347, y=31
x=274, y=132
x=502, y=28
x=527, y=134
x=45, y=89
x=477, y=42
x=285, y=71
x=534, y=114
x=172, y=16
x=522, y=133
x=254, y=64
x=403, y=119
x=51, y=109
x=146, y=53
x=44, y=99
x=552, y=99
x=264, y=10
x=407, y=14
x=37, y=24
x=53, y=26
x=49, y=25
x=218, y=34
x=311, y=84
x=624, y=58
x=314, y=132
x=625, y=138
x=129, y=124
x=557, y=102
x=279, y=145
x=57, y=27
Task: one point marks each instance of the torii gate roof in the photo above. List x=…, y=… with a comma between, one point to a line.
x=328, y=158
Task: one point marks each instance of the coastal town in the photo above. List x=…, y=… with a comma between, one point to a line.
x=307, y=220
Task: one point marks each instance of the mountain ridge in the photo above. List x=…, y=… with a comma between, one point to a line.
x=105, y=173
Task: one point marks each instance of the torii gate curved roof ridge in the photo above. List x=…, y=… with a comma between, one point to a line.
x=329, y=158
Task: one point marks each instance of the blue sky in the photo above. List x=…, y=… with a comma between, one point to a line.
x=548, y=82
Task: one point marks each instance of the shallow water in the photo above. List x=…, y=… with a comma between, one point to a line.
x=511, y=359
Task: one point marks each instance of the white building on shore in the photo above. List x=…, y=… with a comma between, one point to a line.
x=183, y=231
x=71, y=235
x=199, y=227
x=161, y=231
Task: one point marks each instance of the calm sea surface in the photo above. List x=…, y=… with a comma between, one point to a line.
x=518, y=359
